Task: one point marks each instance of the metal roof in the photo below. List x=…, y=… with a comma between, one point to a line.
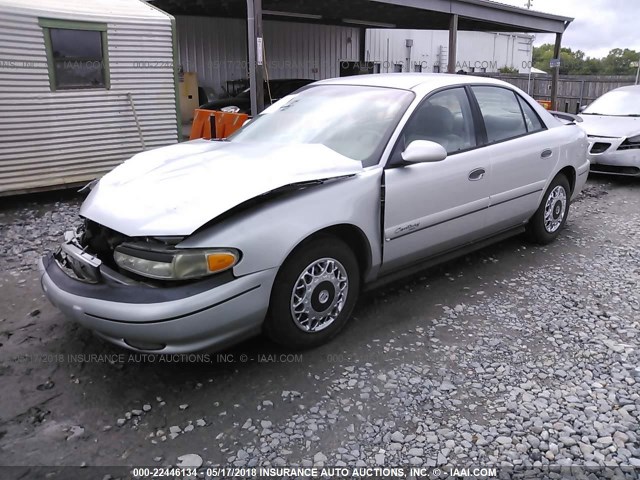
x=474, y=15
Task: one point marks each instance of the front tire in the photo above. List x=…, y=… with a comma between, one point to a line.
x=549, y=219
x=314, y=294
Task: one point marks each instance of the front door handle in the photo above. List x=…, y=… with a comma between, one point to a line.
x=546, y=153
x=477, y=174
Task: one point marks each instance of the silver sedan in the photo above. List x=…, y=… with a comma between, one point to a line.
x=612, y=123
x=344, y=184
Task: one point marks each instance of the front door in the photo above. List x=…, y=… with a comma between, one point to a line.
x=431, y=208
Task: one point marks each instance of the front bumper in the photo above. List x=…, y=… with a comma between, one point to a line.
x=162, y=320
x=613, y=160
x=582, y=174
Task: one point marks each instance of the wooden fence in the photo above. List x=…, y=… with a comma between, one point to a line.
x=573, y=90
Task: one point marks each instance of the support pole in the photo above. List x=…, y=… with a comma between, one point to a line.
x=254, y=42
x=555, y=73
x=362, y=44
x=453, y=43
x=260, y=56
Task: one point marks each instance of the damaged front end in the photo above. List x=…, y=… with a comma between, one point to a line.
x=93, y=252
x=86, y=254
x=75, y=260
x=149, y=310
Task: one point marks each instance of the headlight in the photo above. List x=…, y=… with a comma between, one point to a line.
x=169, y=264
x=635, y=139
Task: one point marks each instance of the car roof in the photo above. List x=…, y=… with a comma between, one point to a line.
x=413, y=81
x=628, y=88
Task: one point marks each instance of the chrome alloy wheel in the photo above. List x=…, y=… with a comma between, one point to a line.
x=319, y=295
x=555, y=209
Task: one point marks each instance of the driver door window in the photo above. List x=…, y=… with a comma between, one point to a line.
x=444, y=118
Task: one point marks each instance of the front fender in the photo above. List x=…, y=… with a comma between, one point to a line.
x=268, y=232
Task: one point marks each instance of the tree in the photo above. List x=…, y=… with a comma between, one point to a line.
x=617, y=62
x=542, y=55
x=570, y=61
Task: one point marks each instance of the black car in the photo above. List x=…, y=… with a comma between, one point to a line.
x=278, y=89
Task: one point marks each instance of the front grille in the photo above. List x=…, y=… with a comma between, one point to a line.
x=101, y=241
x=627, y=145
x=75, y=269
x=599, y=147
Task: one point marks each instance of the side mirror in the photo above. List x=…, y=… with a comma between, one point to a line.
x=424, y=151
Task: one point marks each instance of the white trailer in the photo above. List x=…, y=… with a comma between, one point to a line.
x=396, y=50
x=84, y=85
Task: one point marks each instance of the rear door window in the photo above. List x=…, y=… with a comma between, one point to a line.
x=501, y=113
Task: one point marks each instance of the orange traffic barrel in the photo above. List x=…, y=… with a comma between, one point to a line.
x=225, y=123
x=545, y=103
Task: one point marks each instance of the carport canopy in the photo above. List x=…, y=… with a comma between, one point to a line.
x=452, y=15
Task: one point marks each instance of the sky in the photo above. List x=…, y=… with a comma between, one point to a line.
x=599, y=25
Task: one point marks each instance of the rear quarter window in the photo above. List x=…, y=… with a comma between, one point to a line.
x=531, y=118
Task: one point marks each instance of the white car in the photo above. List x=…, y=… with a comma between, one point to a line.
x=612, y=123
x=345, y=183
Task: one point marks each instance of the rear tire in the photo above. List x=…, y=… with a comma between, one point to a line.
x=549, y=219
x=314, y=294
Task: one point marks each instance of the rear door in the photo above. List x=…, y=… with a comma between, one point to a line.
x=523, y=155
x=430, y=208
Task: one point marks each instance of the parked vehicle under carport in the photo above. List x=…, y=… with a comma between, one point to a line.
x=273, y=91
x=346, y=183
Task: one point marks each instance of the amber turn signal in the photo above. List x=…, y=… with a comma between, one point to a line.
x=220, y=261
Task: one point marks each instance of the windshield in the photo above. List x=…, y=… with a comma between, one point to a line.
x=354, y=121
x=617, y=102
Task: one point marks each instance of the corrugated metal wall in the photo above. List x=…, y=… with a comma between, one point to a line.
x=70, y=136
x=216, y=48
x=302, y=50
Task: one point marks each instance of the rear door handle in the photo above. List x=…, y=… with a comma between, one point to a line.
x=477, y=174
x=546, y=153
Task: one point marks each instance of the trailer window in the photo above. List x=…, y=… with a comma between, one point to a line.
x=76, y=54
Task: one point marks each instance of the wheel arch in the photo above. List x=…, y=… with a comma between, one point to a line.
x=571, y=175
x=350, y=234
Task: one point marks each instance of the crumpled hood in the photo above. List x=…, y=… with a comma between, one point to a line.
x=609, y=126
x=175, y=190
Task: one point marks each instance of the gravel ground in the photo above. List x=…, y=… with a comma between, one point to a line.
x=521, y=357
x=36, y=225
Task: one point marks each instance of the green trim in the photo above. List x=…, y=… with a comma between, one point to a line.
x=106, y=71
x=48, y=23
x=71, y=24
x=50, y=66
